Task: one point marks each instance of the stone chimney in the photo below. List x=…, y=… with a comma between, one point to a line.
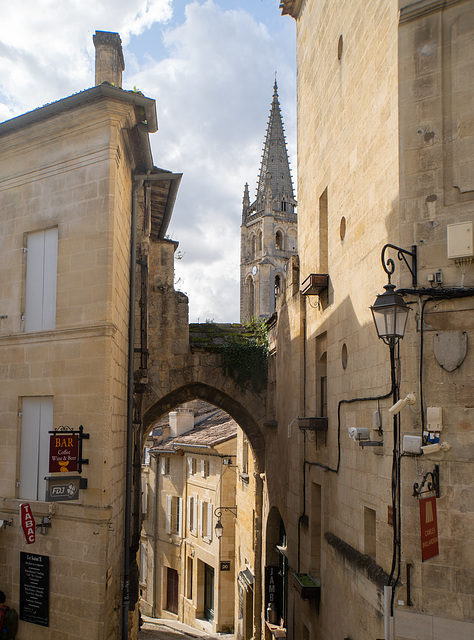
x=180, y=422
x=109, y=62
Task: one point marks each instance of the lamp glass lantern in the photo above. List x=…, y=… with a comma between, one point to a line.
x=219, y=529
x=390, y=314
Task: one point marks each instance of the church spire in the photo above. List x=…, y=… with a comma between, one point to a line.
x=275, y=175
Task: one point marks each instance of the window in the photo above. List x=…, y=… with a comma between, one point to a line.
x=146, y=456
x=143, y=562
x=321, y=375
x=36, y=421
x=279, y=241
x=191, y=466
x=174, y=515
x=144, y=481
x=41, y=277
x=259, y=241
x=205, y=468
x=245, y=456
x=369, y=532
x=323, y=232
x=205, y=524
x=189, y=579
x=192, y=514
x=315, y=529
x=165, y=466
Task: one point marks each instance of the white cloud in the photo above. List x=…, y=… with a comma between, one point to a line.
x=213, y=93
x=46, y=49
x=212, y=77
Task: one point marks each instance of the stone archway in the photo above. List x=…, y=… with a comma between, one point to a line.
x=217, y=397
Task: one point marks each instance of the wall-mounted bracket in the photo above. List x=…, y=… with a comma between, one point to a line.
x=431, y=485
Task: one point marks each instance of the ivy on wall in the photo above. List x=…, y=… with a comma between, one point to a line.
x=245, y=358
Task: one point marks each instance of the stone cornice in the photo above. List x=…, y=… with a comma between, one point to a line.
x=423, y=8
x=76, y=333
x=291, y=7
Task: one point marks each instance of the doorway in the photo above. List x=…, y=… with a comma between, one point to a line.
x=208, y=592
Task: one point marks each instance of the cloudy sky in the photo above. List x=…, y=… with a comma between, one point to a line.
x=210, y=65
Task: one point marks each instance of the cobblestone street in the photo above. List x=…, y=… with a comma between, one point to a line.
x=157, y=629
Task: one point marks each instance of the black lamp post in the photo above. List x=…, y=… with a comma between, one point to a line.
x=390, y=314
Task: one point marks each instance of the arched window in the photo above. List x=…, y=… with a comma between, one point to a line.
x=279, y=241
x=253, y=245
x=291, y=240
x=259, y=241
x=277, y=285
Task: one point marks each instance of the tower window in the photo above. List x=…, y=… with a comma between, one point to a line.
x=279, y=240
x=283, y=206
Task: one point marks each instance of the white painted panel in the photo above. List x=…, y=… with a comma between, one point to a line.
x=180, y=517
x=50, y=278
x=209, y=520
x=169, y=503
x=41, y=280
x=195, y=513
x=36, y=422
x=34, y=282
x=29, y=445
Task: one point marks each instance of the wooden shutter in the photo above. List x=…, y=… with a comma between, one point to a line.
x=209, y=520
x=169, y=508
x=41, y=280
x=200, y=517
x=195, y=514
x=179, y=516
x=37, y=421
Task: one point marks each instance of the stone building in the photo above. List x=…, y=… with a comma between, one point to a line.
x=187, y=564
x=268, y=230
x=367, y=518
x=79, y=199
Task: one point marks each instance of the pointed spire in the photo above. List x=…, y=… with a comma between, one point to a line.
x=245, y=202
x=275, y=167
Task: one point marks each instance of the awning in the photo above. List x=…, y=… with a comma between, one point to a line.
x=246, y=579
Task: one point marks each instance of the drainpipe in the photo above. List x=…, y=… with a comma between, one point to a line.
x=258, y=618
x=129, y=459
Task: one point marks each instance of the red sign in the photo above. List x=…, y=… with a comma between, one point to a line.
x=63, y=452
x=27, y=522
x=429, y=528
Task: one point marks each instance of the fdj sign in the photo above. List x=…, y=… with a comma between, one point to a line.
x=27, y=522
x=64, y=488
x=63, y=452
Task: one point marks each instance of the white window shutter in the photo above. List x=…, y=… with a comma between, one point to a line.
x=37, y=421
x=41, y=280
x=169, y=507
x=200, y=518
x=163, y=466
x=190, y=466
x=180, y=517
x=203, y=469
x=188, y=514
x=209, y=520
x=195, y=513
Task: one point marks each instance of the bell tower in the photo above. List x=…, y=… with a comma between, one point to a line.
x=269, y=225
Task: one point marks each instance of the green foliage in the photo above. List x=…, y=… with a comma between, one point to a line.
x=245, y=358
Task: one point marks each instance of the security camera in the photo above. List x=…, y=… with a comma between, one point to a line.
x=398, y=406
x=358, y=433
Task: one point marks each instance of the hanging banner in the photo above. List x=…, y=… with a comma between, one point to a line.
x=429, y=528
x=27, y=522
x=63, y=452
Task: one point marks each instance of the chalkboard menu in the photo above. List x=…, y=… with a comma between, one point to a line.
x=34, y=588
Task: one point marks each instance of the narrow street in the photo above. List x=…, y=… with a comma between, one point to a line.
x=158, y=629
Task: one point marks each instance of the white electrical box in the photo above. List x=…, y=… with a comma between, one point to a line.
x=434, y=419
x=460, y=240
x=412, y=444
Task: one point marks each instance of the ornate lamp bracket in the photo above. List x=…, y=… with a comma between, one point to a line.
x=218, y=512
x=389, y=265
x=433, y=484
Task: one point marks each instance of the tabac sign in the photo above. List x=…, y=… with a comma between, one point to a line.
x=63, y=451
x=27, y=522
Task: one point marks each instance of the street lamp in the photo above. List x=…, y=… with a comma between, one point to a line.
x=219, y=528
x=390, y=313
